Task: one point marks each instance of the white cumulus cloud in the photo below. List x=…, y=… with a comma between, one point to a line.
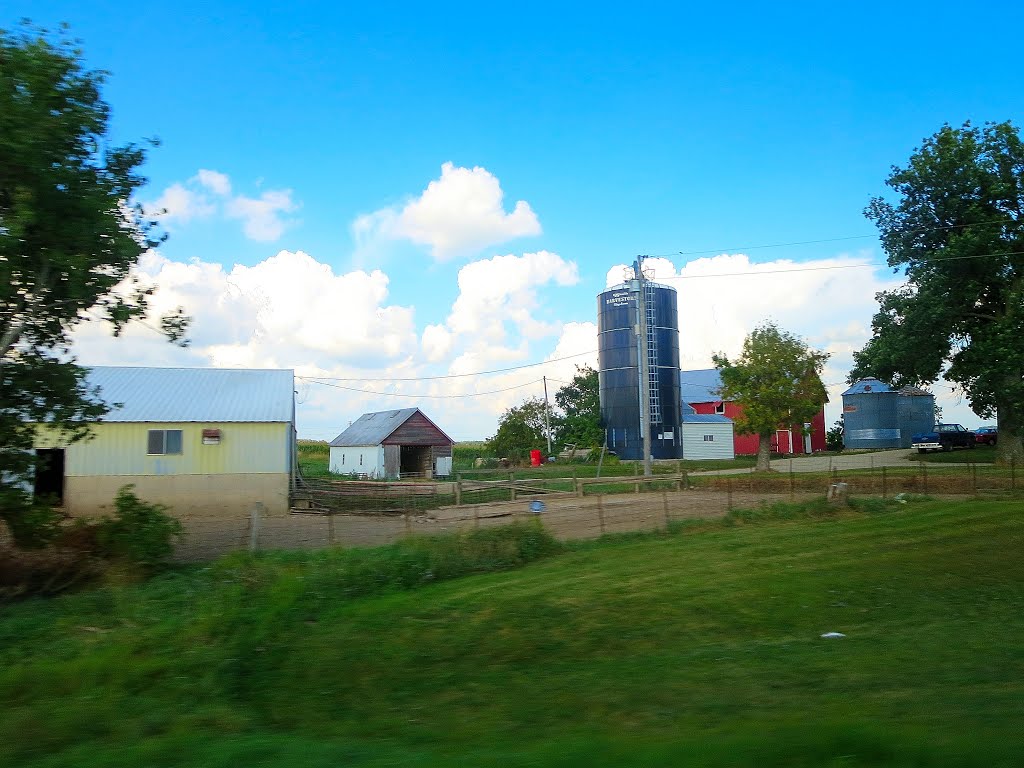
x=460, y=213
x=209, y=193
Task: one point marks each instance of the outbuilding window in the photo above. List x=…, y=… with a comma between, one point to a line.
x=162, y=442
x=720, y=408
x=709, y=438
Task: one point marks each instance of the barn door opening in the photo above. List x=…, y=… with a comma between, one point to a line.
x=415, y=461
x=49, y=484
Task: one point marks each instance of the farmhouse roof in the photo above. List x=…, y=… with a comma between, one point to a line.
x=700, y=386
x=374, y=428
x=138, y=394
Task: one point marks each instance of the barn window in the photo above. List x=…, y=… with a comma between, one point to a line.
x=343, y=459
x=161, y=442
x=709, y=438
x=720, y=408
x=360, y=459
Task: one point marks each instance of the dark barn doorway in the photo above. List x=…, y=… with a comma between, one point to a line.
x=415, y=461
x=49, y=483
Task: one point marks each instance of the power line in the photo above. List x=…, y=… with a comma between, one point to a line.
x=831, y=239
x=454, y=375
x=418, y=396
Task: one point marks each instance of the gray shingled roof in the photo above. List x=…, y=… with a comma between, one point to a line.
x=373, y=428
x=195, y=394
x=700, y=386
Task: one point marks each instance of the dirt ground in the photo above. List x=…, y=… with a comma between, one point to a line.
x=567, y=517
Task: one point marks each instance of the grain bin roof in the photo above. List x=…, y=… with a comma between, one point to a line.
x=373, y=428
x=194, y=394
x=868, y=385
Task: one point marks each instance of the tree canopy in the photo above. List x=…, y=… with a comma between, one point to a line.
x=579, y=411
x=520, y=430
x=777, y=380
x=70, y=234
x=957, y=230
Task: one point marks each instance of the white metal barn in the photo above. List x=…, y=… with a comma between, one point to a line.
x=392, y=444
x=707, y=436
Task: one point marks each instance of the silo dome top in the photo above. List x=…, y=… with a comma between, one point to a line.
x=868, y=385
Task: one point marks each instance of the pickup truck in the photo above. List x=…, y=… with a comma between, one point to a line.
x=945, y=437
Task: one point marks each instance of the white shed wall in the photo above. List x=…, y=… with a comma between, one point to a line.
x=357, y=459
x=696, y=446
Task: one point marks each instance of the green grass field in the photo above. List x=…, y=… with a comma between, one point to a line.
x=699, y=648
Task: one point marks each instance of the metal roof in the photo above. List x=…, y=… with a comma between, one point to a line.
x=868, y=385
x=194, y=394
x=373, y=428
x=705, y=418
x=700, y=386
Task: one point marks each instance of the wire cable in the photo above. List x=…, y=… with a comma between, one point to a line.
x=434, y=397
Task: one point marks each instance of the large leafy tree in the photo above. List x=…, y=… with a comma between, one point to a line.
x=520, y=430
x=70, y=233
x=579, y=405
x=957, y=229
x=777, y=380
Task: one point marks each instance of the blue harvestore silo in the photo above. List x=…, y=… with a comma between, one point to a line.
x=875, y=416
x=619, y=370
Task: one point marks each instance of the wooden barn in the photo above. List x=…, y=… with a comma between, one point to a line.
x=392, y=445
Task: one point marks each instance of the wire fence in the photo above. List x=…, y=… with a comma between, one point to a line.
x=373, y=513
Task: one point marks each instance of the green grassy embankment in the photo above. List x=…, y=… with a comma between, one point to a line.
x=697, y=648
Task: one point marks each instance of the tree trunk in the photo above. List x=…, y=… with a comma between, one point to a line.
x=764, y=452
x=1009, y=443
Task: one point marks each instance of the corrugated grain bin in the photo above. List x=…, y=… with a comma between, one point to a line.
x=869, y=416
x=915, y=411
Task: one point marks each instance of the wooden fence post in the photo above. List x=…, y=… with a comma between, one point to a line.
x=255, y=519
x=636, y=473
x=458, y=489
x=792, y=482
x=579, y=488
x=512, y=485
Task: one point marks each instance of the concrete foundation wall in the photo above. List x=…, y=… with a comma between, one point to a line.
x=188, y=496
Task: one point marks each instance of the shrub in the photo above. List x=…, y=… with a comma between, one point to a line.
x=32, y=525
x=139, y=532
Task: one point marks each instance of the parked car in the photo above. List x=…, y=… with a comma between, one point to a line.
x=986, y=435
x=945, y=437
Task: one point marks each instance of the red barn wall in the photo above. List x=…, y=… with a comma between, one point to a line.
x=746, y=445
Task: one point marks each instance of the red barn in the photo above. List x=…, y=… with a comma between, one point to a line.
x=700, y=389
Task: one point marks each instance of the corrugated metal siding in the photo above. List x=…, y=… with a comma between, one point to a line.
x=417, y=429
x=696, y=447
x=357, y=460
x=195, y=394
x=120, y=449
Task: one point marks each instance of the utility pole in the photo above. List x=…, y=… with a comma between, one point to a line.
x=645, y=376
x=547, y=411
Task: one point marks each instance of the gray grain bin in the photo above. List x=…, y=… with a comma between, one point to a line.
x=870, y=416
x=619, y=371
x=876, y=417
x=915, y=412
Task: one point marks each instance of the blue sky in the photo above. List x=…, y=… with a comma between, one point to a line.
x=322, y=131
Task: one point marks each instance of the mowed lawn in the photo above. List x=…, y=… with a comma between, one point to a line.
x=698, y=648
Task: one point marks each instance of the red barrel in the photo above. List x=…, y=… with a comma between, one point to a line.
x=534, y=458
